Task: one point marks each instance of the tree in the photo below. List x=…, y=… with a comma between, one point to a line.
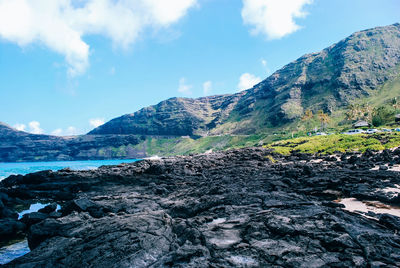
x=367, y=112
x=383, y=115
x=377, y=121
x=395, y=103
x=354, y=112
x=324, y=119
x=307, y=117
x=359, y=111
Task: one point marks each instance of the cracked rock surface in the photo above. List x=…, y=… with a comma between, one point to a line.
x=234, y=208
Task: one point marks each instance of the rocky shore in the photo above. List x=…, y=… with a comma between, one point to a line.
x=242, y=208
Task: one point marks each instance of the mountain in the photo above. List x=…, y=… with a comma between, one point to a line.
x=363, y=67
x=354, y=68
x=174, y=117
x=21, y=146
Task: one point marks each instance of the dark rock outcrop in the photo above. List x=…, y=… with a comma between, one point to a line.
x=233, y=208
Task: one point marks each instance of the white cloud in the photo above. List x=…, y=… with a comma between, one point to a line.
x=34, y=127
x=20, y=127
x=61, y=24
x=273, y=18
x=95, y=122
x=68, y=132
x=247, y=81
x=207, y=87
x=57, y=132
x=264, y=62
x=71, y=131
x=183, y=87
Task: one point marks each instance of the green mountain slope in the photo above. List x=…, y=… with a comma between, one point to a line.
x=363, y=68
x=174, y=117
x=354, y=68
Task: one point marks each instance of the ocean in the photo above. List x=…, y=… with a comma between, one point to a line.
x=10, y=252
x=7, y=169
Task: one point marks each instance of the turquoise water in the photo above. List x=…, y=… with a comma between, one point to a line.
x=13, y=251
x=7, y=169
x=19, y=249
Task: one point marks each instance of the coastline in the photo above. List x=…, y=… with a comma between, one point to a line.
x=22, y=168
x=233, y=208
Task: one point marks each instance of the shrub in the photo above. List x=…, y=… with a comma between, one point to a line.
x=336, y=143
x=383, y=115
x=377, y=121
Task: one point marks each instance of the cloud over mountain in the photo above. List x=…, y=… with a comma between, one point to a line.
x=273, y=18
x=247, y=81
x=34, y=127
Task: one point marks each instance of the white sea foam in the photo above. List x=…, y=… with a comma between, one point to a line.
x=35, y=208
x=154, y=157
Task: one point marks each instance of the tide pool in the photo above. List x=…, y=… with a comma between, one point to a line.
x=10, y=252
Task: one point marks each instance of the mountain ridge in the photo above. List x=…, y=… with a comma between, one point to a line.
x=182, y=115
x=360, y=67
x=331, y=78
x=22, y=146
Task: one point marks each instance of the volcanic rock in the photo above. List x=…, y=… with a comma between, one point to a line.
x=224, y=209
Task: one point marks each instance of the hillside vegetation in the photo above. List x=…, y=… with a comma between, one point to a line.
x=364, y=67
x=357, y=78
x=337, y=143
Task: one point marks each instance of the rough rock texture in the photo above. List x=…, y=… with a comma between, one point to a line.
x=353, y=68
x=175, y=117
x=237, y=208
x=329, y=79
x=21, y=146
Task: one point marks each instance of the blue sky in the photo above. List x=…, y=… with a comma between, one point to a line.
x=78, y=63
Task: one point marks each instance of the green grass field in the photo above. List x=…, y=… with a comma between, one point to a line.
x=184, y=146
x=337, y=143
x=281, y=143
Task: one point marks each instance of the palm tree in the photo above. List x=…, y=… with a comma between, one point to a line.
x=307, y=117
x=308, y=114
x=354, y=112
x=395, y=103
x=358, y=111
x=349, y=113
x=323, y=118
x=367, y=112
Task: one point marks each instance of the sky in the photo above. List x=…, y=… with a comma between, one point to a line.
x=67, y=66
